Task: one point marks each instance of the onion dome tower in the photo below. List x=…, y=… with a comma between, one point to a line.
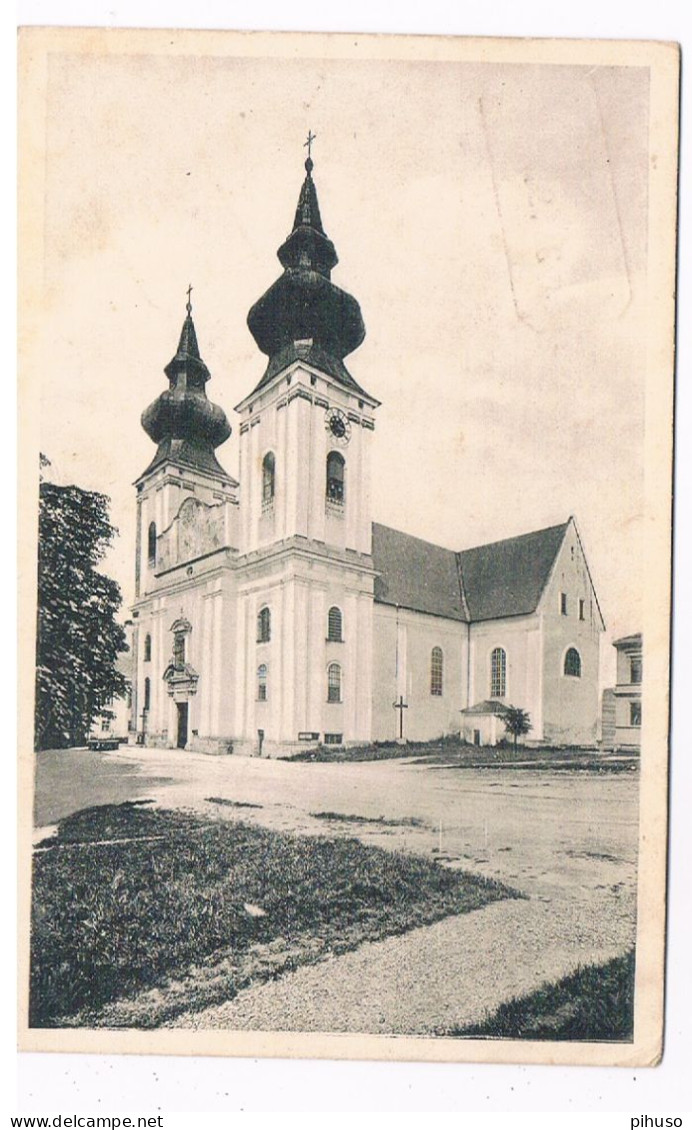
x=304, y=316
x=186, y=425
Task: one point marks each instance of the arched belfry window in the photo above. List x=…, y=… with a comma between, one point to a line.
x=573, y=663
x=268, y=479
x=264, y=625
x=334, y=683
x=147, y=649
x=151, y=543
x=436, y=670
x=335, y=624
x=262, y=682
x=498, y=673
x=336, y=466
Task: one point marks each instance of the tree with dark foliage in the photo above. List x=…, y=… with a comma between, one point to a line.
x=78, y=639
x=517, y=722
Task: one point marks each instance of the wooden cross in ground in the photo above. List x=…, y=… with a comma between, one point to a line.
x=401, y=706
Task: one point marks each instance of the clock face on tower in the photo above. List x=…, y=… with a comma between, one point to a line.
x=337, y=424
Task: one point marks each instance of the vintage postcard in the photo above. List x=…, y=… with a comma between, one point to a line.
x=347, y=397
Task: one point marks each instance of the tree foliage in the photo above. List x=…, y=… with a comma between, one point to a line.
x=517, y=722
x=78, y=639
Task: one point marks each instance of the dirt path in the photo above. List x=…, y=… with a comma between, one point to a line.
x=432, y=979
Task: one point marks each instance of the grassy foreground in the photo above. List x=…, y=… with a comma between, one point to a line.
x=595, y=1003
x=128, y=899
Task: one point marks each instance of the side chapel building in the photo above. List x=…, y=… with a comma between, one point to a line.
x=273, y=614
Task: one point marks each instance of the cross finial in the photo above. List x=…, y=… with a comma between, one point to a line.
x=188, y=305
x=308, y=143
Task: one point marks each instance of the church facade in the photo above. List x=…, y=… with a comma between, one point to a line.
x=273, y=615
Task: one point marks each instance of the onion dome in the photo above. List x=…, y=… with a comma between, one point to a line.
x=304, y=309
x=186, y=426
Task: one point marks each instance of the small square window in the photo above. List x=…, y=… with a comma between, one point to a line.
x=333, y=739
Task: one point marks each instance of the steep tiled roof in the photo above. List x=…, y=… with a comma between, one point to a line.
x=507, y=578
x=489, y=582
x=415, y=574
x=488, y=706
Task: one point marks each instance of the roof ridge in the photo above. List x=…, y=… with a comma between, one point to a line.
x=517, y=537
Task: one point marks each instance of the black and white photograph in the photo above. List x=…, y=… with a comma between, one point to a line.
x=347, y=373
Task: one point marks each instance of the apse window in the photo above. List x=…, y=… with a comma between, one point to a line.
x=573, y=663
x=334, y=683
x=498, y=673
x=436, y=671
x=264, y=626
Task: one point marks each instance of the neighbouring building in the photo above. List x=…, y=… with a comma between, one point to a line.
x=628, y=692
x=274, y=614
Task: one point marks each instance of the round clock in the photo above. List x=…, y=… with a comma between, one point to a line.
x=337, y=424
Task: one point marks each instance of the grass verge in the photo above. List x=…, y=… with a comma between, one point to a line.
x=461, y=755
x=129, y=900
x=595, y=1003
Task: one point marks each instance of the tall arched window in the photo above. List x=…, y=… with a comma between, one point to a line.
x=147, y=694
x=264, y=626
x=268, y=479
x=436, y=670
x=335, y=478
x=151, y=543
x=573, y=662
x=334, y=683
x=147, y=649
x=498, y=673
x=335, y=624
x=262, y=682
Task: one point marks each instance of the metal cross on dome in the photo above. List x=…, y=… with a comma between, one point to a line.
x=308, y=144
x=189, y=306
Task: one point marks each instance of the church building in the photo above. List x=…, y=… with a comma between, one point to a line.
x=273, y=615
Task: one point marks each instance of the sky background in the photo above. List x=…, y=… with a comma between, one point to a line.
x=489, y=218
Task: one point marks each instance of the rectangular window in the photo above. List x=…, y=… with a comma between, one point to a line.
x=581, y=609
x=635, y=670
x=635, y=714
x=333, y=739
x=563, y=603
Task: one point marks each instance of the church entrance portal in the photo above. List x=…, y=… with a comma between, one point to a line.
x=182, y=724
